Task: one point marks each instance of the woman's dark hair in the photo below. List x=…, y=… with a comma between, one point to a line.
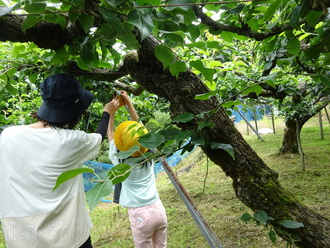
x=71, y=124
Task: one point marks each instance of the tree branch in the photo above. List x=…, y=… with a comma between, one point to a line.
x=44, y=35
x=244, y=30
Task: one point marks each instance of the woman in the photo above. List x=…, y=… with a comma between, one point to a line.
x=33, y=156
x=146, y=212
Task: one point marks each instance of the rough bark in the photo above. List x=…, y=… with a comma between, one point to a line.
x=289, y=142
x=255, y=184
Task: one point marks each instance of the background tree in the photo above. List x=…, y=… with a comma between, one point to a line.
x=88, y=39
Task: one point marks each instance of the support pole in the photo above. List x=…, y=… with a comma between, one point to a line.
x=206, y=230
x=273, y=121
x=247, y=122
x=326, y=112
x=321, y=125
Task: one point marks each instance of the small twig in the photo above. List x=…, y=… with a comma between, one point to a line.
x=207, y=173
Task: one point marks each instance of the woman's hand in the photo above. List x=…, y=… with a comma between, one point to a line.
x=112, y=106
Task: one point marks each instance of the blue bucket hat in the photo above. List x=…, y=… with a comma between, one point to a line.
x=63, y=98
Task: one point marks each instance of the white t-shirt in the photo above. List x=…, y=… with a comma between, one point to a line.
x=31, y=159
x=139, y=188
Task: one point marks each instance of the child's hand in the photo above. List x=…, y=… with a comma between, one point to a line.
x=125, y=97
x=121, y=100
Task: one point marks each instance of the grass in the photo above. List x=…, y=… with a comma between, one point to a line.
x=212, y=192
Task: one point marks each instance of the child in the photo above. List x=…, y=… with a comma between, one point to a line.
x=146, y=212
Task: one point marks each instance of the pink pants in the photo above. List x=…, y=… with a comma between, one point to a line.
x=149, y=225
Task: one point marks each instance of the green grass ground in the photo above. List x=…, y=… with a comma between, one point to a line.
x=212, y=192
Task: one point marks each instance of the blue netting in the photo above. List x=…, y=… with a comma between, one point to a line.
x=251, y=113
x=101, y=170
x=172, y=160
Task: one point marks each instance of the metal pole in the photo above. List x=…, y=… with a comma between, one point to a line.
x=206, y=230
x=247, y=122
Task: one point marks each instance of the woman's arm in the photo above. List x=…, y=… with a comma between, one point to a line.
x=103, y=124
x=113, y=107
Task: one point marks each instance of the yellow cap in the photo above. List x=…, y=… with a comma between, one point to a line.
x=126, y=136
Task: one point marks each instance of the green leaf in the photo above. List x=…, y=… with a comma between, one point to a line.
x=254, y=88
x=11, y=89
x=326, y=60
x=324, y=80
x=293, y=46
x=128, y=37
x=99, y=190
x=86, y=52
x=35, y=7
x=314, y=51
x=11, y=72
x=227, y=147
x=199, y=44
x=107, y=31
x=198, y=139
x=294, y=18
x=119, y=173
x=184, y=118
x=271, y=10
x=246, y=217
x=151, y=140
x=205, y=96
x=165, y=55
x=30, y=21
x=128, y=153
x=60, y=57
x=86, y=22
x=313, y=16
x=194, y=32
x=177, y=67
x=55, y=18
x=142, y=21
x=115, y=3
x=4, y=78
x=227, y=36
x=204, y=123
x=112, y=20
x=116, y=56
x=207, y=72
x=214, y=44
x=229, y=104
x=183, y=135
x=272, y=236
x=261, y=216
x=170, y=133
x=270, y=79
x=291, y=224
x=65, y=176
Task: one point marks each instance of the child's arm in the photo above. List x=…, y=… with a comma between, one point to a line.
x=130, y=108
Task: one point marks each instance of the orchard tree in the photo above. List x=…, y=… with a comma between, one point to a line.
x=133, y=45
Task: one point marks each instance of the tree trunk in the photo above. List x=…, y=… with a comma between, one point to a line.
x=289, y=142
x=255, y=184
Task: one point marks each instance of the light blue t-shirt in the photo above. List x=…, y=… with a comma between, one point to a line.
x=139, y=189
